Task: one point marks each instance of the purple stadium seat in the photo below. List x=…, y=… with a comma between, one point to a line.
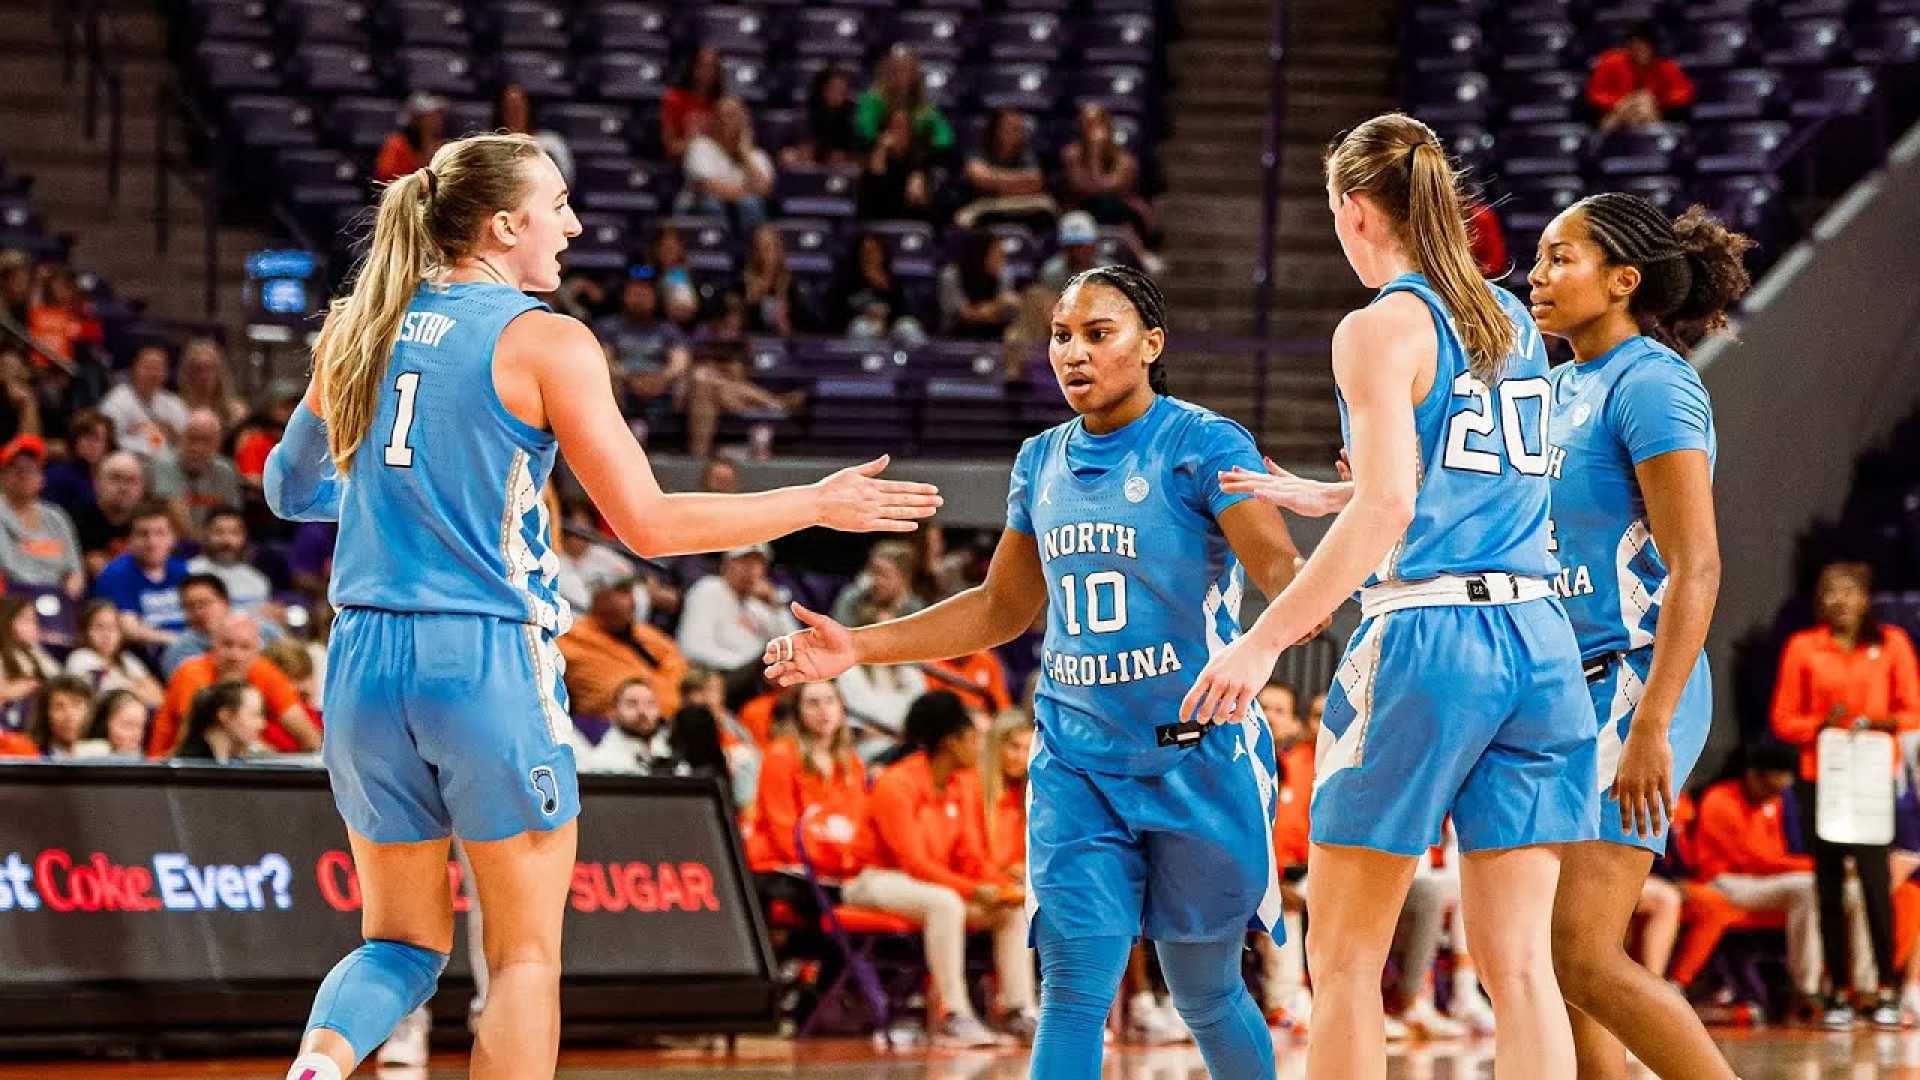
x=1716, y=10
x=910, y=247
x=442, y=71
x=729, y=29
x=1545, y=194
x=269, y=121
x=1739, y=148
x=948, y=83
x=1029, y=35
x=471, y=117
x=857, y=412
x=831, y=33
x=541, y=73
x=843, y=357
x=1741, y=94
x=588, y=129
x=1117, y=39
x=709, y=246
x=363, y=123
x=954, y=5
x=748, y=77
x=1021, y=250
x=1703, y=45
x=321, y=181
x=1448, y=46
x=1026, y=87
x=812, y=191
x=768, y=357
x=1608, y=24
x=1747, y=203
x=1524, y=11
x=1666, y=192
x=603, y=245
x=1537, y=45
x=336, y=69
x=325, y=20
x=1544, y=97
x=1893, y=40
x=1106, y=81
x=1808, y=9
x=233, y=20
x=1442, y=97
x=1427, y=12
x=624, y=185
x=1833, y=92
x=933, y=34
x=959, y=360
x=776, y=129
x=530, y=24
x=233, y=66
x=624, y=25
x=629, y=76
x=1549, y=149
x=811, y=244
x=1816, y=42
x=1638, y=151
x=432, y=22
x=1470, y=145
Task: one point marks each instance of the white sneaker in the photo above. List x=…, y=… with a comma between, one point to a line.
x=964, y=1030
x=1471, y=1007
x=407, y=1046
x=1151, y=1023
x=1422, y=1017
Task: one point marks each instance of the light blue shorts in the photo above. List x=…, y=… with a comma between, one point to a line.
x=439, y=724
x=1617, y=682
x=1184, y=856
x=1475, y=711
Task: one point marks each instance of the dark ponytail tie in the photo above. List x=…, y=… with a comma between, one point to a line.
x=428, y=182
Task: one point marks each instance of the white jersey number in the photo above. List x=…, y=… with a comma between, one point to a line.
x=399, y=454
x=1479, y=418
x=1113, y=584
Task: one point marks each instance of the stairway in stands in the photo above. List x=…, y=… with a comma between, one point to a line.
x=1339, y=70
x=41, y=129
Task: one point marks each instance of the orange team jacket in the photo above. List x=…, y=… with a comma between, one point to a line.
x=1736, y=836
x=931, y=834
x=835, y=808
x=1007, y=827
x=1877, y=681
x=169, y=724
x=598, y=662
x=1295, y=797
x=1615, y=75
x=979, y=678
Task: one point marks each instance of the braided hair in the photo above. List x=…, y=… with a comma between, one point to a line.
x=1147, y=301
x=1691, y=268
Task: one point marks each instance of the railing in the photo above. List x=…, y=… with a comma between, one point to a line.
x=173, y=150
x=11, y=329
x=88, y=50
x=1271, y=160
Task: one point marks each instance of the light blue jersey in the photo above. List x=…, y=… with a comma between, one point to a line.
x=1637, y=401
x=1484, y=454
x=441, y=511
x=1141, y=585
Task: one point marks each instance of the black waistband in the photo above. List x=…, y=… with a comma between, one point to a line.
x=1185, y=736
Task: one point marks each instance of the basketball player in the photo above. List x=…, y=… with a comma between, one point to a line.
x=1137, y=823
x=1460, y=691
x=1632, y=290
x=441, y=391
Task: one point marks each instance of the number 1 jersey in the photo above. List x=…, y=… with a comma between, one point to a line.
x=441, y=510
x=1141, y=585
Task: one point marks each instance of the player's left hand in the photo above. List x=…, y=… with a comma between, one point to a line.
x=1229, y=683
x=1644, y=783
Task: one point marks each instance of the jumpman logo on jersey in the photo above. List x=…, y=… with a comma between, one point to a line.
x=1046, y=495
x=1239, y=748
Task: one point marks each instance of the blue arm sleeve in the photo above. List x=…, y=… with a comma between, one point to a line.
x=300, y=482
x=1660, y=408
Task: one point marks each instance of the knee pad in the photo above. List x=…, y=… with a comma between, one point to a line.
x=372, y=989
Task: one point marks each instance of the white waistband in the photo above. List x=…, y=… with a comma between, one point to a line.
x=1451, y=589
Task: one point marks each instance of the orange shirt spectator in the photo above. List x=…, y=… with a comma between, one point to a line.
x=978, y=679
x=687, y=106
x=607, y=647
x=928, y=833
x=1736, y=835
x=1003, y=791
x=756, y=715
x=1007, y=842
x=833, y=804
x=13, y=744
x=1631, y=69
x=196, y=675
x=63, y=319
x=423, y=126
x=1294, y=798
x=1825, y=682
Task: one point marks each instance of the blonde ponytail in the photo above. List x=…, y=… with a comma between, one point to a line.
x=1396, y=161
x=426, y=221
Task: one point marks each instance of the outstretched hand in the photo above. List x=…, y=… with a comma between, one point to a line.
x=1308, y=498
x=856, y=499
x=821, y=651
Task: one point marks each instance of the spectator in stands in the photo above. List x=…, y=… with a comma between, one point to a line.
x=895, y=181
x=720, y=476
x=977, y=299
x=878, y=698
x=20, y=404
x=1102, y=177
x=116, y=727
x=609, y=648
x=39, y=547
x=145, y=582
x=1075, y=252
x=705, y=689
x=1633, y=84
x=227, y=722
x=25, y=665
x=882, y=590
x=224, y=555
x=728, y=618
x=106, y=523
x=235, y=657
x=689, y=103
x=925, y=858
x=59, y=720
x=726, y=173
x=900, y=89
x=871, y=300
x=667, y=257
x=638, y=738
x=831, y=137
x=1488, y=240
x=1004, y=181
x=16, y=284
x=295, y=661
x=1003, y=790
x=423, y=127
x=810, y=774
x=514, y=112
x=205, y=604
x=768, y=283
x=197, y=477
x=260, y=432
x=694, y=749
x=650, y=354
x=104, y=661
x=978, y=679
x=149, y=417
x=206, y=383
x=1283, y=965
x=1740, y=849
x=1850, y=671
x=61, y=319
x=69, y=479
x=587, y=566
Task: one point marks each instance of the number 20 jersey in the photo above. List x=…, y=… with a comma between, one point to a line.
x=1142, y=586
x=441, y=511
x=1482, y=499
